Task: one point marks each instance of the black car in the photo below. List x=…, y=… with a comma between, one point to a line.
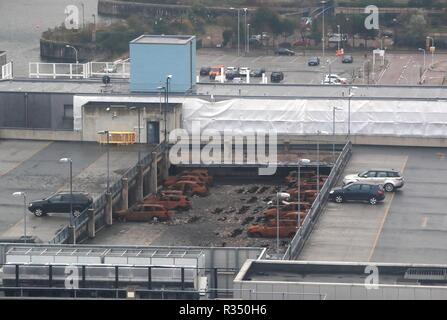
x=347, y=59
x=277, y=76
x=231, y=74
x=313, y=61
x=257, y=73
x=284, y=52
x=358, y=192
x=205, y=71
x=60, y=203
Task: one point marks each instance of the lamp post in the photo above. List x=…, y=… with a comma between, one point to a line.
x=168, y=81
x=334, y=109
x=238, y=30
x=22, y=194
x=76, y=52
x=319, y=133
x=245, y=23
x=323, y=37
x=423, y=50
x=70, y=162
x=300, y=162
x=83, y=20
x=350, y=95
x=339, y=37
x=107, y=133
x=94, y=28
x=248, y=38
x=432, y=51
x=279, y=196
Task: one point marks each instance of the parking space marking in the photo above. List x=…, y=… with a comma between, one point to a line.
x=387, y=210
x=424, y=222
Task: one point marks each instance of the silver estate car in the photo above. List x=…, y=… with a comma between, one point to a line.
x=390, y=179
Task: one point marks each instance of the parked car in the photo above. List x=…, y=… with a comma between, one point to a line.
x=284, y=52
x=287, y=215
x=190, y=188
x=110, y=68
x=170, y=202
x=277, y=76
x=215, y=71
x=356, y=191
x=389, y=178
x=199, y=172
x=230, y=75
x=257, y=73
x=331, y=82
x=205, y=71
x=287, y=228
x=181, y=177
x=60, y=203
x=347, y=59
x=313, y=61
x=335, y=77
x=144, y=212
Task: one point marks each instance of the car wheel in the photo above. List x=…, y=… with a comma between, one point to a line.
x=373, y=201
x=339, y=199
x=38, y=212
x=389, y=187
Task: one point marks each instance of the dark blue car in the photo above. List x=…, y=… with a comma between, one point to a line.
x=372, y=193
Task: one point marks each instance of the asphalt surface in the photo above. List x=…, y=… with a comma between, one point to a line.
x=32, y=167
x=410, y=226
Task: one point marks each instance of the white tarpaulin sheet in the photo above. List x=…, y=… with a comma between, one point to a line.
x=368, y=117
x=300, y=116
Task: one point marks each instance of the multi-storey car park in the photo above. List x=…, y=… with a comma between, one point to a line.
x=206, y=252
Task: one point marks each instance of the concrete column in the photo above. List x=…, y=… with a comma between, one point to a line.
x=71, y=235
x=125, y=194
x=108, y=210
x=153, y=174
x=139, y=184
x=91, y=227
x=166, y=165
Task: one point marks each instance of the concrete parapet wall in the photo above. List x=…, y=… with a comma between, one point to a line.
x=31, y=134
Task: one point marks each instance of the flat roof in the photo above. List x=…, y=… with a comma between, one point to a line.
x=162, y=39
x=341, y=272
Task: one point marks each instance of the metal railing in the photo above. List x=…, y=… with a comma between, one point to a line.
x=100, y=202
x=79, y=70
x=297, y=243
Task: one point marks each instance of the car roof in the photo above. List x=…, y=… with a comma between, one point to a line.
x=381, y=169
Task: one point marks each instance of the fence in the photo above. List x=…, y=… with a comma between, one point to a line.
x=7, y=71
x=305, y=230
x=100, y=203
x=79, y=70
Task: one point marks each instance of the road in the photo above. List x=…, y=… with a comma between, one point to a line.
x=410, y=226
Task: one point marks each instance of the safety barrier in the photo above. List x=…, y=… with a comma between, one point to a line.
x=100, y=203
x=297, y=243
x=118, y=137
x=79, y=70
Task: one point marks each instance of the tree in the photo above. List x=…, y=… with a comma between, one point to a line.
x=227, y=35
x=414, y=29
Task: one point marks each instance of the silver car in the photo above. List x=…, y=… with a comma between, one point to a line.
x=389, y=178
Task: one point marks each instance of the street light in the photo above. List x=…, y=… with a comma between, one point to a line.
x=94, y=28
x=248, y=38
x=279, y=196
x=22, y=194
x=83, y=20
x=300, y=162
x=423, y=50
x=238, y=30
x=432, y=51
x=168, y=80
x=350, y=95
x=76, y=51
x=245, y=23
x=323, y=38
x=339, y=37
x=318, y=159
x=107, y=133
x=70, y=162
x=334, y=109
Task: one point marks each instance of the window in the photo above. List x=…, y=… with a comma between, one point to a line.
x=382, y=174
x=393, y=174
x=56, y=198
x=68, y=111
x=366, y=187
x=353, y=188
x=371, y=174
